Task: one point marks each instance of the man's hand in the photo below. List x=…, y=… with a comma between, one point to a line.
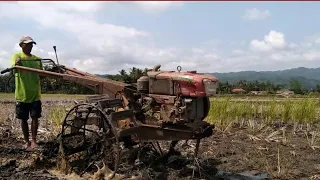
x=18, y=62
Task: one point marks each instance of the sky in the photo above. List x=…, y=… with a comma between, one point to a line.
x=105, y=37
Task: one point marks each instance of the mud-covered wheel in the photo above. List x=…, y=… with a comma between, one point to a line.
x=88, y=139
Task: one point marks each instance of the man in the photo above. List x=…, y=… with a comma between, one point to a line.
x=27, y=90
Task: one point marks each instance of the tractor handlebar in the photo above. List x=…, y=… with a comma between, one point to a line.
x=6, y=70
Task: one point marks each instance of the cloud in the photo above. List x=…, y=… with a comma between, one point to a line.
x=273, y=40
x=274, y=52
x=95, y=46
x=109, y=46
x=256, y=14
x=157, y=6
x=96, y=40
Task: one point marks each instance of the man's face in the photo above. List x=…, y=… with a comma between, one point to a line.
x=27, y=48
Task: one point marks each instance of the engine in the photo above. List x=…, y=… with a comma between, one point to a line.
x=178, y=97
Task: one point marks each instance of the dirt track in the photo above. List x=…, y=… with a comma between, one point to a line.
x=241, y=152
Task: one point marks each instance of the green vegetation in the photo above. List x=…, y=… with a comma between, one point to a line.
x=299, y=80
x=59, y=86
x=48, y=86
x=270, y=88
x=226, y=111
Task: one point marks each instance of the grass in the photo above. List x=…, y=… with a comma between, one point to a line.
x=290, y=116
x=224, y=111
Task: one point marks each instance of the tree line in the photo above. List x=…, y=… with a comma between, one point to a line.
x=50, y=85
x=267, y=86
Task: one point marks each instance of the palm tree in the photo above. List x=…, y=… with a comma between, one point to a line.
x=145, y=71
x=123, y=72
x=135, y=73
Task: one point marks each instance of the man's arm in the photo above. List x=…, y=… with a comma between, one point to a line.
x=15, y=60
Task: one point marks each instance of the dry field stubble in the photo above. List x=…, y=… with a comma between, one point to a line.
x=281, y=139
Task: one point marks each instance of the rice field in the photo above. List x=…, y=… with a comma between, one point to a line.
x=224, y=112
x=227, y=110
x=274, y=135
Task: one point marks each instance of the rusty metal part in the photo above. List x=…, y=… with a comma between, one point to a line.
x=99, y=85
x=164, y=105
x=91, y=140
x=156, y=68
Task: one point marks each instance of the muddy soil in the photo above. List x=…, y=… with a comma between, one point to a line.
x=240, y=153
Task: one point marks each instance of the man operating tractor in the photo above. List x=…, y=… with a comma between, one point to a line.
x=27, y=90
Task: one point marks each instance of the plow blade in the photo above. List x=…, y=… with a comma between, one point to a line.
x=156, y=133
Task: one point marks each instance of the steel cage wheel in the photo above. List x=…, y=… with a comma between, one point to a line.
x=100, y=144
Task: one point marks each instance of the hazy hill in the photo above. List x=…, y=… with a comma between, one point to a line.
x=308, y=77
x=102, y=75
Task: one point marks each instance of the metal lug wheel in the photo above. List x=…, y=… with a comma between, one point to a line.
x=88, y=138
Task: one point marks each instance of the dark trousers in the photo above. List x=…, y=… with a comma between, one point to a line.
x=24, y=110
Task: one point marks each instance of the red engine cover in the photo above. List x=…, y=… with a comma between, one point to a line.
x=188, y=83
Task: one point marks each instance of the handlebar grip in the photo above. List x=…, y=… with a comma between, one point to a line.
x=6, y=70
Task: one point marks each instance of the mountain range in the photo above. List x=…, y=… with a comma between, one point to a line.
x=308, y=77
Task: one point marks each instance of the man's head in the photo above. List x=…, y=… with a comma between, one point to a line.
x=26, y=43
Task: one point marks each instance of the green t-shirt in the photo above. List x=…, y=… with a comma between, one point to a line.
x=27, y=84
